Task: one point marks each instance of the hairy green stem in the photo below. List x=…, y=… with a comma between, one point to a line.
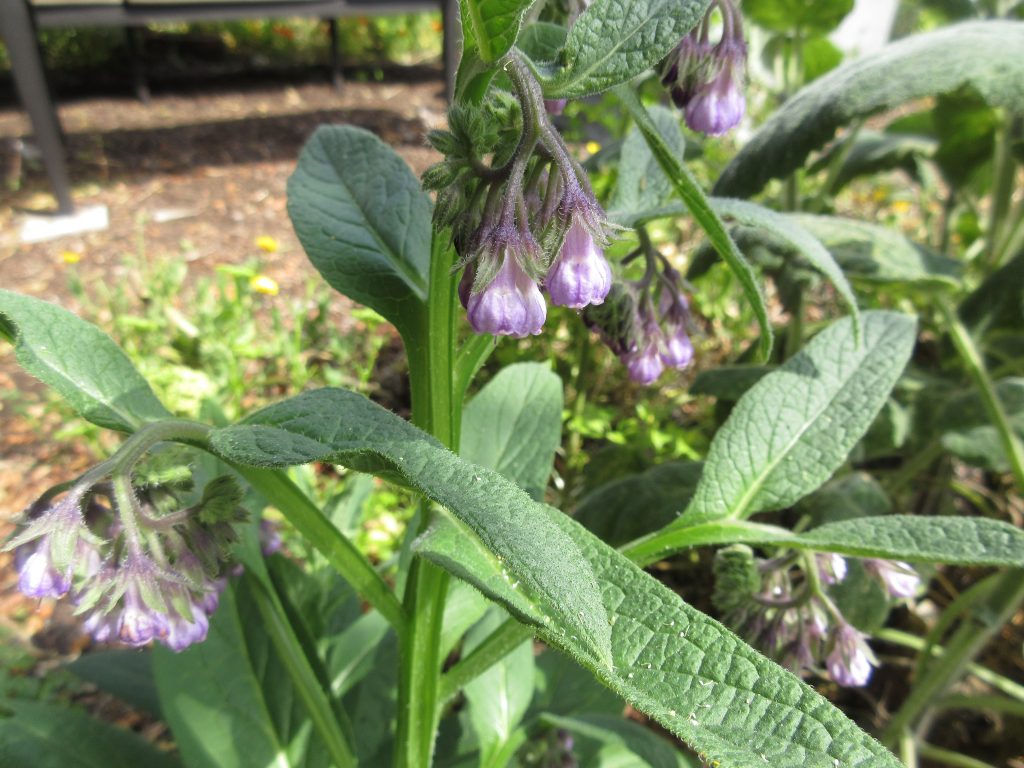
x=435, y=410
x=948, y=757
x=496, y=646
x=1005, y=170
x=975, y=365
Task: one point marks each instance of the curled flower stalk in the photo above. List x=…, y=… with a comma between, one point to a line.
x=139, y=565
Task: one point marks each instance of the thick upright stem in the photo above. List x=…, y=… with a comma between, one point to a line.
x=431, y=369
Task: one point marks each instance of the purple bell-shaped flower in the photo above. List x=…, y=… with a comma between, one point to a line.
x=580, y=275
x=512, y=305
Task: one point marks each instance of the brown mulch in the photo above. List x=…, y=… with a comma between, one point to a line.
x=196, y=174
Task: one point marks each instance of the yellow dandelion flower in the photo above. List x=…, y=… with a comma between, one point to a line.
x=901, y=206
x=71, y=257
x=267, y=243
x=593, y=147
x=264, y=284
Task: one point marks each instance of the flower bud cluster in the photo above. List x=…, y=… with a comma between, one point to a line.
x=647, y=323
x=525, y=224
x=781, y=609
x=137, y=565
x=705, y=80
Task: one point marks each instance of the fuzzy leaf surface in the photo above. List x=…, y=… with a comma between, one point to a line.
x=980, y=55
x=342, y=427
x=492, y=26
x=364, y=221
x=642, y=185
x=794, y=428
x=614, y=41
x=79, y=361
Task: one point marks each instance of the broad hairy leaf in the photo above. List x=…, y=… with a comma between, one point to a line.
x=514, y=425
x=498, y=698
x=229, y=701
x=342, y=427
x=877, y=254
x=79, y=361
x=984, y=56
x=968, y=432
x=364, y=221
x=614, y=41
x=642, y=185
x=43, y=735
x=542, y=41
x=126, y=674
x=734, y=706
x=915, y=538
x=791, y=431
x=873, y=152
x=855, y=495
x=789, y=231
x=729, y=382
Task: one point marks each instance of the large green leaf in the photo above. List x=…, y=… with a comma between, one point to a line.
x=229, y=700
x=498, y=699
x=873, y=152
x=364, y=221
x=968, y=432
x=342, y=427
x=877, y=254
x=43, y=735
x=959, y=540
x=696, y=678
x=666, y=658
x=795, y=427
x=642, y=185
x=126, y=674
x=514, y=425
x=78, y=360
x=790, y=232
x=984, y=56
x=614, y=41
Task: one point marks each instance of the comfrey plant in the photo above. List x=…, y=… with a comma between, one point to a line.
x=434, y=658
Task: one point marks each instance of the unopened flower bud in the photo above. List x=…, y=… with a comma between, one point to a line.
x=719, y=106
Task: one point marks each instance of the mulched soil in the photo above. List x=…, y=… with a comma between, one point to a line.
x=205, y=165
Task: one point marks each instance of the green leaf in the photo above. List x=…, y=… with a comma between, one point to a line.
x=700, y=681
x=874, y=152
x=627, y=742
x=787, y=230
x=342, y=427
x=806, y=16
x=642, y=185
x=879, y=254
x=632, y=506
x=543, y=42
x=44, y=735
x=729, y=383
x=697, y=202
x=957, y=540
x=846, y=498
x=229, y=701
x=498, y=699
x=79, y=361
x=492, y=26
x=795, y=427
x=364, y=221
x=968, y=433
x=128, y=675
x=514, y=425
x=982, y=55
x=614, y=41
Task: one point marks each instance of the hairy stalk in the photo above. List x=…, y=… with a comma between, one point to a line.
x=431, y=370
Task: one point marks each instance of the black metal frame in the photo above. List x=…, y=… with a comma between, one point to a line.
x=19, y=22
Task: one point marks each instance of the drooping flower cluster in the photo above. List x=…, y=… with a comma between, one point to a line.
x=137, y=566
x=528, y=222
x=705, y=80
x=647, y=339
x=786, y=612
